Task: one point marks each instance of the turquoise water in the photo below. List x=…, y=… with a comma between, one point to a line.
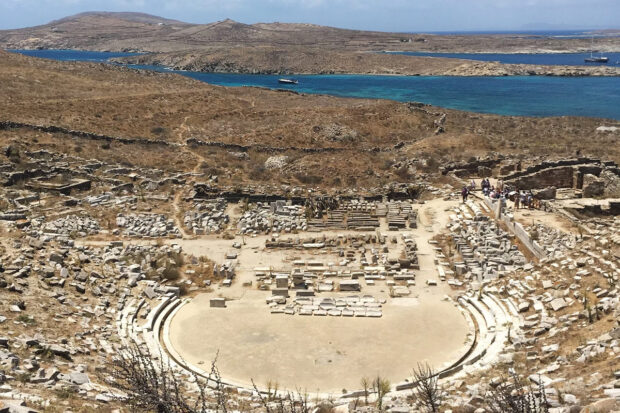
x=554, y=59
x=511, y=95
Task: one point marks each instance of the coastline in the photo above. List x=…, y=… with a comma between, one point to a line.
x=418, y=66
x=314, y=62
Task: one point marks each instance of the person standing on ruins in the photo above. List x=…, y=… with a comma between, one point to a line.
x=517, y=199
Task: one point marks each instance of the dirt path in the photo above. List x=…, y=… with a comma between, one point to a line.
x=178, y=197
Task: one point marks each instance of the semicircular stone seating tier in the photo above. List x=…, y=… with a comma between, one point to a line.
x=490, y=319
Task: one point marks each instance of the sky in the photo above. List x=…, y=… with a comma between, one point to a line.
x=384, y=15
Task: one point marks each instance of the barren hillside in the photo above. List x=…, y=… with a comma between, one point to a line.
x=378, y=139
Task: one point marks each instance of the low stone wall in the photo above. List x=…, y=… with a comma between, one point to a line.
x=6, y=125
x=525, y=238
x=517, y=229
x=494, y=205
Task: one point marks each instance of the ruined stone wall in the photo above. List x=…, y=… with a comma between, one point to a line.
x=551, y=164
x=559, y=177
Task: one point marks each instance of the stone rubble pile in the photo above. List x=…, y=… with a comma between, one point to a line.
x=554, y=241
x=72, y=225
x=362, y=256
x=139, y=262
x=572, y=290
x=147, y=225
x=273, y=217
x=207, y=217
x=486, y=249
x=89, y=286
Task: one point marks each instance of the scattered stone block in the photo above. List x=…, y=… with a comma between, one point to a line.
x=217, y=302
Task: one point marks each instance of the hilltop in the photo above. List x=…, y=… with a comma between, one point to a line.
x=135, y=31
x=128, y=16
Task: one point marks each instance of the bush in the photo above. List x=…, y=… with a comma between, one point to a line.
x=403, y=173
x=158, y=130
x=309, y=179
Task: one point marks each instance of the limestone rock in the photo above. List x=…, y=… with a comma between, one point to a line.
x=276, y=162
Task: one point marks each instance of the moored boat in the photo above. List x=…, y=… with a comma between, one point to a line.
x=595, y=59
x=288, y=81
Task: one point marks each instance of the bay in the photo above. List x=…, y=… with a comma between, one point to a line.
x=507, y=95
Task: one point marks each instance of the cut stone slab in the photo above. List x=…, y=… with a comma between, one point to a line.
x=557, y=304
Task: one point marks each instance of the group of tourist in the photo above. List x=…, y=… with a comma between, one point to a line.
x=498, y=191
x=521, y=199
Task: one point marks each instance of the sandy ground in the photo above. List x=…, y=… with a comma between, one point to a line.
x=532, y=216
x=317, y=354
x=323, y=354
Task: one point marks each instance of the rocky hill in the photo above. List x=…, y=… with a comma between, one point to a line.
x=131, y=31
x=138, y=31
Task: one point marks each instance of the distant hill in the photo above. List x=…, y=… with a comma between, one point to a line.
x=138, y=31
x=128, y=16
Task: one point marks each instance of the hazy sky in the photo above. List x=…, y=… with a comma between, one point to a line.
x=388, y=15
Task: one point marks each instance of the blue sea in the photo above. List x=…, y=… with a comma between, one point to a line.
x=569, y=34
x=510, y=95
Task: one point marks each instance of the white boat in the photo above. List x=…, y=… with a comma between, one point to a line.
x=288, y=81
